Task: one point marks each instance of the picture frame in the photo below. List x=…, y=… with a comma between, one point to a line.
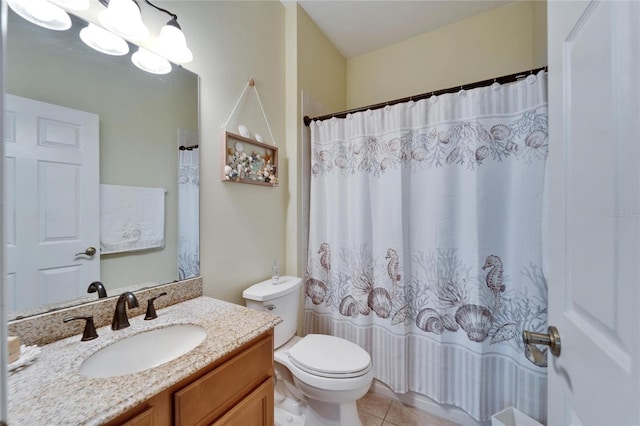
x=246, y=160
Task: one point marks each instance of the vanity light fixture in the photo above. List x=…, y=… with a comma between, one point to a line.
x=172, y=44
x=150, y=62
x=42, y=13
x=73, y=4
x=123, y=18
x=104, y=41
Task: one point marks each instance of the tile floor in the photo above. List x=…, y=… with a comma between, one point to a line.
x=378, y=410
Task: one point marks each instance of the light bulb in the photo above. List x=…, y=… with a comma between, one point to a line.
x=172, y=44
x=150, y=62
x=73, y=4
x=123, y=18
x=42, y=10
x=42, y=13
x=103, y=40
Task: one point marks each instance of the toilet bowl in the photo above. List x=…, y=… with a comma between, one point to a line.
x=329, y=373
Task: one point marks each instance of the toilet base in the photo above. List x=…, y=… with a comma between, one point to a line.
x=289, y=407
x=330, y=414
x=293, y=411
x=315, y=413
x=286, y=418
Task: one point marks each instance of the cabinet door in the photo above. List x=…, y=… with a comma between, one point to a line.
x=207, y=397
x=256, y=409
x=143, y=419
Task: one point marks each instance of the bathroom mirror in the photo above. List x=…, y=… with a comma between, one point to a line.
x=143, y=119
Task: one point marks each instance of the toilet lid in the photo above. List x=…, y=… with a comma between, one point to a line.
x=329, y=356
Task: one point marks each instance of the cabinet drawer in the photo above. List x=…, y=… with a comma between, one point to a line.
x=211, y=395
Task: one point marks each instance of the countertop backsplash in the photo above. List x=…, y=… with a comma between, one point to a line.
x=48, y=327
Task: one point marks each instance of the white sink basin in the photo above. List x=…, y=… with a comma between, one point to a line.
x=143, y=351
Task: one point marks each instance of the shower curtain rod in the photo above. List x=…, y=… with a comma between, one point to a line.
x=502, y=80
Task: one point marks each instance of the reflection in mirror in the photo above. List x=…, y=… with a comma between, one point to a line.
x=140, y=120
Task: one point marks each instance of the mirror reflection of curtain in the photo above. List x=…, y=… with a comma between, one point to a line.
x=188, y=213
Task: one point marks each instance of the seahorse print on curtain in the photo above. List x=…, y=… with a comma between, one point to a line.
x=445, y=303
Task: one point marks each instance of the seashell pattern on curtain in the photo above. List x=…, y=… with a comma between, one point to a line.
x=425, y=243
x=188, y=213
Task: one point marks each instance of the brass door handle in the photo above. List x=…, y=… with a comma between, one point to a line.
x=90, y=251
x=551, y=339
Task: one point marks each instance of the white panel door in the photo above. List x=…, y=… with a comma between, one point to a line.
x=593, y=248
x=52, y=202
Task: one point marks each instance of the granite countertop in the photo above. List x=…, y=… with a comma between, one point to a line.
x=52, y=391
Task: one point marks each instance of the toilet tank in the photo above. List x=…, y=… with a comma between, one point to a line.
x=282, y=299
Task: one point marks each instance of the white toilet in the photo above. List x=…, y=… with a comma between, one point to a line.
x=325, y=373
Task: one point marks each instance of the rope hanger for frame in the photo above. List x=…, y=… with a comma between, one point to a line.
x=251, y=83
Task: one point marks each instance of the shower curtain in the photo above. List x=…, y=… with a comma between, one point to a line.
x=188, y=213
x=425, y=243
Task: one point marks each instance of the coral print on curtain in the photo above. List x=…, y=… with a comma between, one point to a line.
x=425, y=243
x=188, y=213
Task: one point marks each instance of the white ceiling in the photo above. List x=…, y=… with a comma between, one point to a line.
x=360, y=26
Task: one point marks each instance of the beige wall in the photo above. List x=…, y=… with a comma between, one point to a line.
x=242, y=227
x=315, y=67
x=321, y=68
x=506, y=40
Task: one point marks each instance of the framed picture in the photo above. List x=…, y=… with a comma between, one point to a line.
x=249, y=161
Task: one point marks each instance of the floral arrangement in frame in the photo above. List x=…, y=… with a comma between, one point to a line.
x=249, y=161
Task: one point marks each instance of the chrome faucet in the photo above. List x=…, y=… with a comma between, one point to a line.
x=120, y=319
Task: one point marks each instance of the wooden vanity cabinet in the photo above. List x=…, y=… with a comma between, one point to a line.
x=255, y=409
x=235, y=390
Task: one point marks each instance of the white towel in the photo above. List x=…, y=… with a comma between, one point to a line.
x=131, y=218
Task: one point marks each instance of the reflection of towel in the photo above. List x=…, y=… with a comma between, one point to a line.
x=131, y=218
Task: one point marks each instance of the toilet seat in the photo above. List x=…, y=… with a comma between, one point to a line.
x=330, y=357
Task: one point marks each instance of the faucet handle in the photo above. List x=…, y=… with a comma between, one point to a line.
x=90, y=332
x=151, y=310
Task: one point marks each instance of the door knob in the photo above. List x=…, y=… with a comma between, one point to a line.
x=90, y=251
x=550, y=339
